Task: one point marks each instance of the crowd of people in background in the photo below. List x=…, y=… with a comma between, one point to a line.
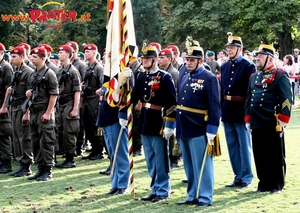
x=59, y=102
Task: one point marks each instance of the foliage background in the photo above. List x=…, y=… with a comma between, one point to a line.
x=167, y=22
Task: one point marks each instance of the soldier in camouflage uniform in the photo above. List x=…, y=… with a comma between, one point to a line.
x=43, y=95
x=93, y=80
x=80, y=66
x=20, y=119
x=69, y=95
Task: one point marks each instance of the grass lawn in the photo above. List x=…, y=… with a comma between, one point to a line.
x=82, y=189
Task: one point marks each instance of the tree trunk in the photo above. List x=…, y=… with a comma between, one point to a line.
x=285, y=42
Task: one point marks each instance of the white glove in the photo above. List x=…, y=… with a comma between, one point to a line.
x=210, y=137
x=123, y=122
x=127, y=72
x=282, y=124
x=175, y=132
x=168, y=132
x=247, y=125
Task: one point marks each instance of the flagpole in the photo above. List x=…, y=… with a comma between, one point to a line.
x=128, y=97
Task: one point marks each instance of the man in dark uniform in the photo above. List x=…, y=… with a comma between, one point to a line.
x=69, y=94
x=234, y=83
x=155, y=89
x=43, y=96
x=197, y=121
x=80, y=66
x=28, y=49
x=92, y=81
x=165, y=57
x=20, y=119
x=269, y=93
x=6, y=73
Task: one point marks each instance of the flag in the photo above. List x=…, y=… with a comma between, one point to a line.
x=120, y=46
x=120, y=49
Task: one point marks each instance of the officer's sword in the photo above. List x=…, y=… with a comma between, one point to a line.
x=116, y=150
x=202, y=169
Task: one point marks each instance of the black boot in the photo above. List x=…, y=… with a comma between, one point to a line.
x=39, y=173
x=25, y=171
x=47, y=175
x=17, y=171
x=6, y=166
x=106, y=172
x=68, y=163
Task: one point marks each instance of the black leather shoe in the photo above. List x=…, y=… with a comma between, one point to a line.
x=93, y=156
x=106, y=172
x=158, y=198
x=188, y=202
x=96, y=157
x=202, y=205
x=112, y=191
x=149, y=197
x=245, y=185
x=184, y=181
x=234, y=184
x=120, y=192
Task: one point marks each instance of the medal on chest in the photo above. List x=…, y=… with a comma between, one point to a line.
x=154, y=85
x=197, y=84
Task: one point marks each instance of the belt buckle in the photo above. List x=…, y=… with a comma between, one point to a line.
x=229, y=97
x=148, y=105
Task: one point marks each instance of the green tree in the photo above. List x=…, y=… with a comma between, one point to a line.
x=93, y=31
x=269, y=21
x=148, y=21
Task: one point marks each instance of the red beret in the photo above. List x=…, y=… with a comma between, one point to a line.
x=18, y=50
x=155, y=44
x=90, y=47
x=66, y=48
x=38, y=50
x=2, y=47
x=72, y=44
x=166, y=52
x=25, y=46
x=47, y=47
x=174, y=48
